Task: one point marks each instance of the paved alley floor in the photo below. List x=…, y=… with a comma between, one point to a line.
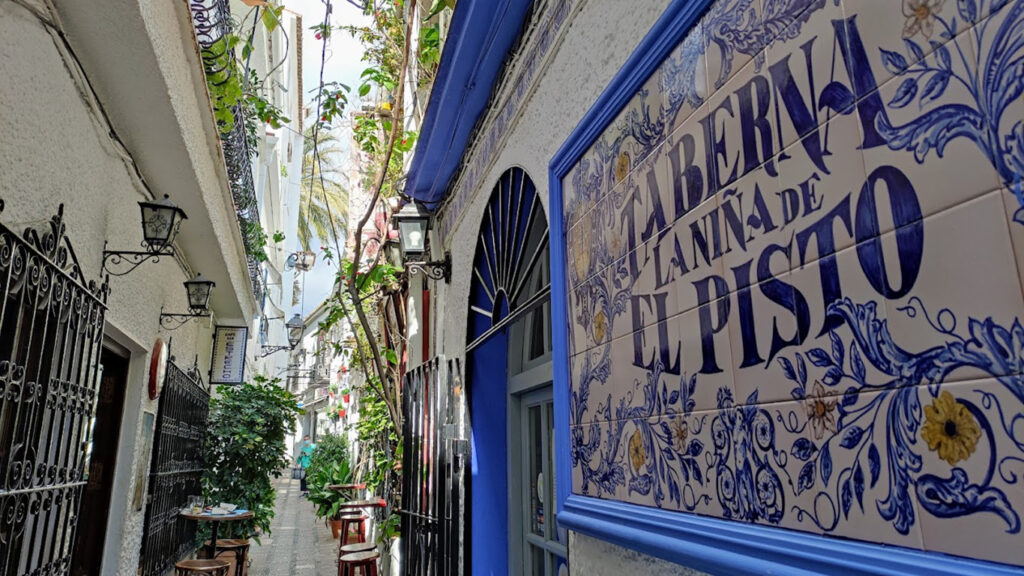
x=298, y=544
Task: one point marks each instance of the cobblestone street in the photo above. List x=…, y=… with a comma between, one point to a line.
x=299, y=544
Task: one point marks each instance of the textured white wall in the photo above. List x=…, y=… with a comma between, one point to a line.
x=53, y=151
x=597, y=40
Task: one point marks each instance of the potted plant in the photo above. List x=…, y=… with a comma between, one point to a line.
x=345, y=396
x=328, y=466
x=245, y=448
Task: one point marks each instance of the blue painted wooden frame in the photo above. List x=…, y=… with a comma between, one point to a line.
x=709, y=544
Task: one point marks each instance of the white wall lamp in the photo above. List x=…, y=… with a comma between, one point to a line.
x=161, y=221
x=302, y=261
x=198, y=289
x=413, y=223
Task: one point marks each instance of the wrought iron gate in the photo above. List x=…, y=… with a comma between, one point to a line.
x=434, y=470
x=51, y=336
x=176, y=471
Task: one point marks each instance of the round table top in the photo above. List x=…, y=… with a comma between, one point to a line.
x=356, y=557
x=343, y=487
x=207, y=517
x=363, y=504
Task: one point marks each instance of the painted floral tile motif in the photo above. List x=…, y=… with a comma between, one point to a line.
x=799, y=255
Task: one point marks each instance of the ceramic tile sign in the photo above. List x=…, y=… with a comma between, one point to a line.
x=228, y=364
x=794, y=265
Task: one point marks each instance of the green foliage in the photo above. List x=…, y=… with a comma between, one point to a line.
x=328, y=465
x=245, y=446
x=378, y=436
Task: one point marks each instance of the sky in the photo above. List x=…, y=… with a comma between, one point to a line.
x=343, y=64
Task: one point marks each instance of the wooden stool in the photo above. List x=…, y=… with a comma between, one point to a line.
x=240, y=548
x=201, y=568
x=357, y=547
x=365, y=562
x=353, y=520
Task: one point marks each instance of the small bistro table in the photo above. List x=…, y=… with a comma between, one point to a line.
x=215, y=520
x=379, y=503
x=347, y=487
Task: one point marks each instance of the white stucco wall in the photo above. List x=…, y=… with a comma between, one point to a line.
x=595, y=42
x=54, y=150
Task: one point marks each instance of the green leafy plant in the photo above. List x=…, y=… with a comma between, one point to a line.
x=328, y=465
x=245, y=447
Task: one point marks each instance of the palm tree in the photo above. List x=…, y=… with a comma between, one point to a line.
x=323, y=195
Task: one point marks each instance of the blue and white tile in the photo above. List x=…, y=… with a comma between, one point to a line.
x=971, y=483
x=858, y=493
x=684, y=79
x=774, y=465
x=733, y=37
x=707, y=354
x=727, y=127
x=967, y=274
x=753, y=214
x=883, y=26
x=853, y=307
x=763, y=316
x=819, y=177
x=692, y=253
x=1013, y=204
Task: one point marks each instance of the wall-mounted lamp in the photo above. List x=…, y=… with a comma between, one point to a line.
x=198, y=290
x=413, y=223
x=295, y=329
x=161, y=221
x=302, y=261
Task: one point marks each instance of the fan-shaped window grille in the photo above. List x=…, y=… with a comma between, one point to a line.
x=510, y=269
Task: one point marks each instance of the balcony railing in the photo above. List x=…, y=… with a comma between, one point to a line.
x=212, y=22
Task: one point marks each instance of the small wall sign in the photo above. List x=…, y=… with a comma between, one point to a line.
x=228, y=364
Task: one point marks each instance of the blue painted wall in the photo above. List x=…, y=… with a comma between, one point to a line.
x=487, y=367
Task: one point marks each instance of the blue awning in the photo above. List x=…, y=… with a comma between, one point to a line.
x=480, y=36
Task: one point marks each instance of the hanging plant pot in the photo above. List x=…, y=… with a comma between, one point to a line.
x=341, y=413
x=345, y=398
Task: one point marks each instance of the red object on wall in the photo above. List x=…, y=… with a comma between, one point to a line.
x=426, y=324
x=341, y=413
x=345, y=398
x=157, y=368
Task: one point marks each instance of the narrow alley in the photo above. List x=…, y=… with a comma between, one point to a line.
x=299, y=544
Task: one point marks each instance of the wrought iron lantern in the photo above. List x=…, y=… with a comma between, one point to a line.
x=413, y=223
x=161, y=222
x=198, y=290
x=302, y=261
x=295, y=328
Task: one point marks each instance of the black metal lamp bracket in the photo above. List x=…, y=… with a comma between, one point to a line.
x=435, y=270
x=121, y=262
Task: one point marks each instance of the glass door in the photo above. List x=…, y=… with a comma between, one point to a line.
x=543, y=544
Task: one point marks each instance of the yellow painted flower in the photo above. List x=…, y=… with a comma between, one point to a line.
x=600, y=326
x=920, y=16
x=819, y=407
x=637, y=454
x=581, y=248
x=950, y=428
x=622, y=167
x=680, y=432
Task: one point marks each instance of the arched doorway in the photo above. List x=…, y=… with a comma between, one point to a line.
x=509, y=374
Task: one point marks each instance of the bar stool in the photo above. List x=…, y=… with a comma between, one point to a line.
x=358, y=521
x=365, y=562
x=357, y=547
x=201, y=568
x=240, y=548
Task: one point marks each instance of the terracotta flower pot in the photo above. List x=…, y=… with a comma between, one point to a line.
x=335, y=528
x=345, y=398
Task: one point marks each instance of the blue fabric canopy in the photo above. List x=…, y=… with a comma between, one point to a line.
x=481, y=34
